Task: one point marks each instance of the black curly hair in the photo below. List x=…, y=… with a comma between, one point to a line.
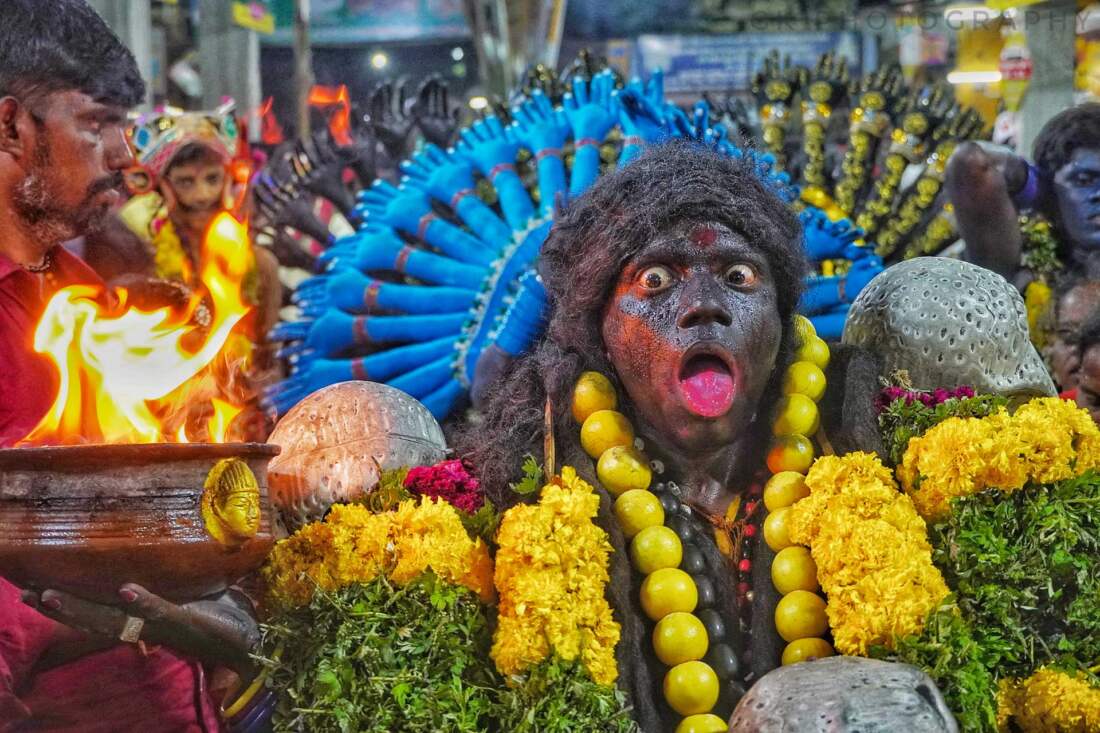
x=1065, y=132
x=591, y=241
x=58, y=45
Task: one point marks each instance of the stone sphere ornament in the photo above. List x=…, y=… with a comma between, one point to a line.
x=843, y=695
x=949, y=323
x=337, y=441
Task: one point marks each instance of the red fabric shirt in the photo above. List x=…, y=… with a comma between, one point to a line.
x=117, y=689
x=28, y=381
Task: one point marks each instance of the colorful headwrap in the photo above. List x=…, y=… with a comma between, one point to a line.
x=159, y=136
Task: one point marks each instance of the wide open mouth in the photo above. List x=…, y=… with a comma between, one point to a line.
x=708, y=384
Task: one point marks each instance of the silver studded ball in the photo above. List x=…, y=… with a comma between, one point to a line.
x=949, y=323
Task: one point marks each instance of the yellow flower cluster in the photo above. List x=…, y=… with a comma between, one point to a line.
x=551, y=571
x=871, y=549
x=1046, y=440
x=1049, y=701
x=352, y=545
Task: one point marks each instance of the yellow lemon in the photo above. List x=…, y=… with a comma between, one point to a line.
x=806, y=378
x=801, y=650
x=803, y=329
x=814, y=351
x=791, y=453
x=794, y=569
x=800, y=614
x=705, y=723
x=655, y=548
x=784, y=489
x=605, y=429
x=776, y=531
x=667, y=591
x=679, y=637
x=637, y=509
x=691, y=688
x=592, y=393
x=797, y=415
x=623, y=468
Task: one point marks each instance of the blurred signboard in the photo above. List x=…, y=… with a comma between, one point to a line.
x=701, y=63
x=254, y=15
x=365, y=21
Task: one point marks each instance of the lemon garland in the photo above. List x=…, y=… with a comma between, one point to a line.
x=669, y=594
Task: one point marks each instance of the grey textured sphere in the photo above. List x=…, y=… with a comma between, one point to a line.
x=843, y=695
x=949, y=323
x=337, y=441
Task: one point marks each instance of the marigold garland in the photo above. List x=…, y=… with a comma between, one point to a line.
x=551, y=571
x=353, y=545
x=871, y=548
x=1050, y=701
x=1046, y=440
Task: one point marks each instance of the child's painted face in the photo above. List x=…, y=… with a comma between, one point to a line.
x=198, y=187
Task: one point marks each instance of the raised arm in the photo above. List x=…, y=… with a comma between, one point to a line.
x=987, y=184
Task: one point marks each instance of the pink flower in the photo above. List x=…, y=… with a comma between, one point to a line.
x=890, y=395
x=450, y=481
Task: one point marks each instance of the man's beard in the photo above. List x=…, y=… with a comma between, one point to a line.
x=35, y=203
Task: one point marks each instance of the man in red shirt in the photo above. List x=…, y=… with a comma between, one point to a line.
x=66, y=83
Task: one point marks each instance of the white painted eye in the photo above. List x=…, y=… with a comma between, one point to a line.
x=656, y=278
x=742, y=275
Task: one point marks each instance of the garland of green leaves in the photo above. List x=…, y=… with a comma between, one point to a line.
x=1025, y=568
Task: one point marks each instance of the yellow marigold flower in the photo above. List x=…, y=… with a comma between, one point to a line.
x=353, y=545
x=1046, y=440
x=944, y=463
x=551, y=572
x=359, y=544
x=297, y=564
x=1050, y=701
x=871, y=549
x=430, y=536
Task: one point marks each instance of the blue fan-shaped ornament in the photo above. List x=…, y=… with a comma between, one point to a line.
x=435, y=275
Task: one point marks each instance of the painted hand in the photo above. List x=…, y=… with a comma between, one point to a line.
x=219, y=630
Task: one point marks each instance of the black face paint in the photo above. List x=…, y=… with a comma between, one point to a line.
x=693, y=333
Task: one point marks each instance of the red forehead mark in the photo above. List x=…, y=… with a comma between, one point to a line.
x=704, y=236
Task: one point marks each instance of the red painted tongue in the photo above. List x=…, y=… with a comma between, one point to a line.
x=707, y=386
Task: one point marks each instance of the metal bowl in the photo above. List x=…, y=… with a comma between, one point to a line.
x=86, y=519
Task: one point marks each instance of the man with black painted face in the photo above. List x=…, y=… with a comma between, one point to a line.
x=677, y=277
x=989, y=186
x=695, y=316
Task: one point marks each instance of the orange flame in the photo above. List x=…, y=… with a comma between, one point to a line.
x=340, y=122
x=271, y=132
x=130, y=376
